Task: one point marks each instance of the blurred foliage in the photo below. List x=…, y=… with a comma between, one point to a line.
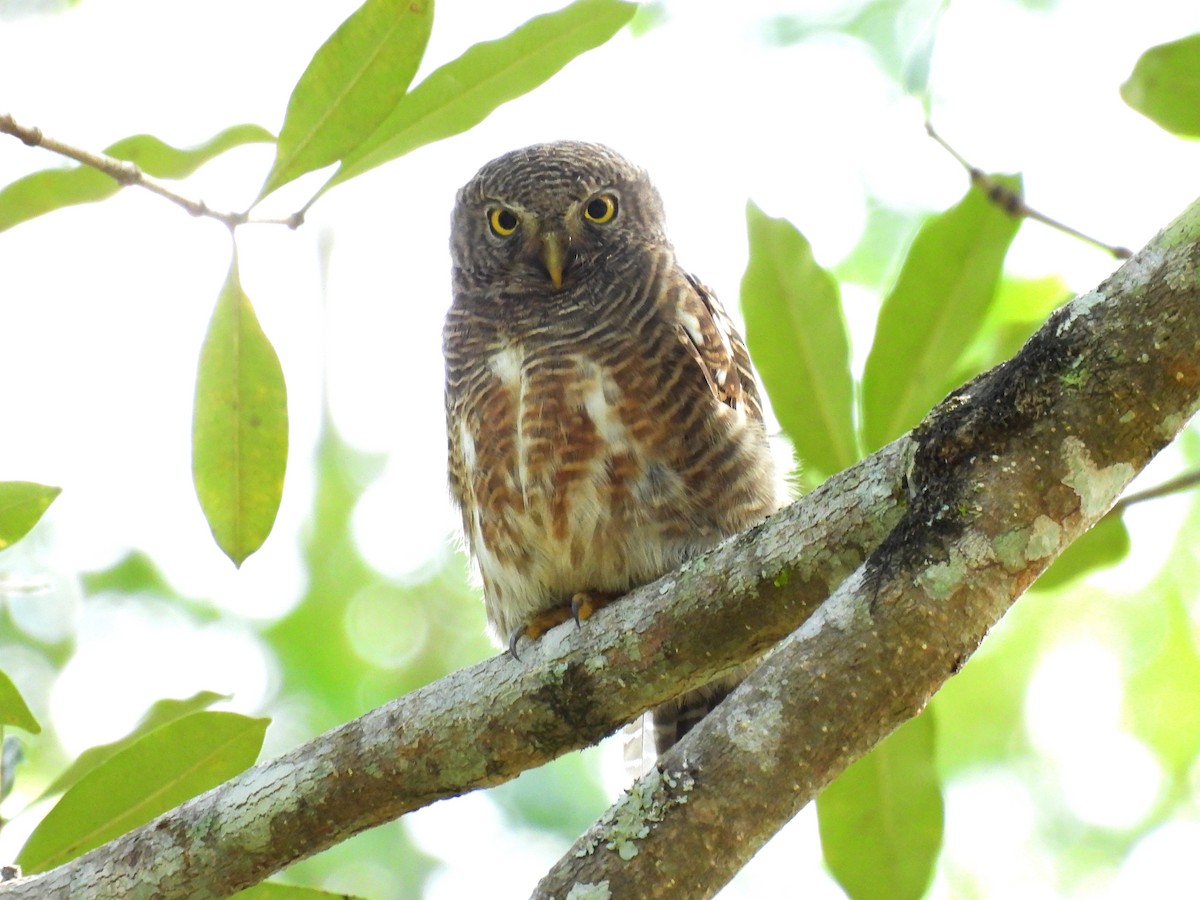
x=136, y=575
x=649, y=15
x=946, y=287
x=949, y=315
x=272, y=890
x=356, y=638
x=21, y=505
x=886, y=809
x=880, y=250
x=899, y=33
x=1165, y=86
x=14, y=710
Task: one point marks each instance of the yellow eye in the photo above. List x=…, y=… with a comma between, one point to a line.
x=601, y=209
x=502, y=221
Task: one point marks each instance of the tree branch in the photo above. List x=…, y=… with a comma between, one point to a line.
x=486, y=724
x=127, y=173
x=1002, y=476
x=1184, y=482
x=1009, y=470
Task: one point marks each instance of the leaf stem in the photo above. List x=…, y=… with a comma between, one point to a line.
x=1014, y=204
x=127, y=173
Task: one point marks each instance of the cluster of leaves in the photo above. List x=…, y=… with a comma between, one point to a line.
x=352, y=106
x=949, y=314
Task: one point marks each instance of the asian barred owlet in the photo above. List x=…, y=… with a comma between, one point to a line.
x=603, y=420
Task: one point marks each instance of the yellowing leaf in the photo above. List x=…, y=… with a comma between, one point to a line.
x=239, y=427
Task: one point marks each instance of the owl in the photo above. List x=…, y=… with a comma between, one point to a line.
x=603, y=420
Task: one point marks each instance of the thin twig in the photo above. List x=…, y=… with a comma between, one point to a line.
x=127, y=173
x=1172, y=486
x=1014, y=204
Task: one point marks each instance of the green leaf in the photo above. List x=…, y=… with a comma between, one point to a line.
x=1021, y=307
x=980, y=711
x=134, y=573
x=21, y=506
x=240, y=426
x=876, y=257
x=1026, y=301
x=941, y=296
x=650, y=15
x=137, y=573
x=13, y=709
x=881, y=820
x=1106, y=544
x=560, y=797
x=273, y=890
x=463, y=92
x=156, y=773
x=351, y=85
x=1160, y=705
x=51, y=189
x=164, y=161
x=1165, y=86
x=161, y=713
x=797, y=336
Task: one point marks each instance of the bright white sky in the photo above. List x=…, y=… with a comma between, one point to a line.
x=102, y=308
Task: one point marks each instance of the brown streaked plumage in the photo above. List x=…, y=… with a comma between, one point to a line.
x=604, y=423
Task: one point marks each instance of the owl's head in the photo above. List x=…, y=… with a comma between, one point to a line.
x=549, y=216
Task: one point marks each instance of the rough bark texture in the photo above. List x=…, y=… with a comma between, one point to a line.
x=1002, y=477
x=486, y=724
x=1008, y=471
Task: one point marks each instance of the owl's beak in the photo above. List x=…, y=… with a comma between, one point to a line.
x=554, y=257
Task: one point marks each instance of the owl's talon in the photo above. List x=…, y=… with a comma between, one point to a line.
x=537, y=626
x=585, y=603
x=517, y=634
x=581, y=607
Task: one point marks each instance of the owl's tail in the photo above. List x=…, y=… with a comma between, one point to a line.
x=638, y=746
x=652, y=734
x=677, y=717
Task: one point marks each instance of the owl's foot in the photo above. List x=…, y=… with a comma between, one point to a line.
x=583, y=604
x=537, y=626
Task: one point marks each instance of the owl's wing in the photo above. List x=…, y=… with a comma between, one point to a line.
x=714, y=343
